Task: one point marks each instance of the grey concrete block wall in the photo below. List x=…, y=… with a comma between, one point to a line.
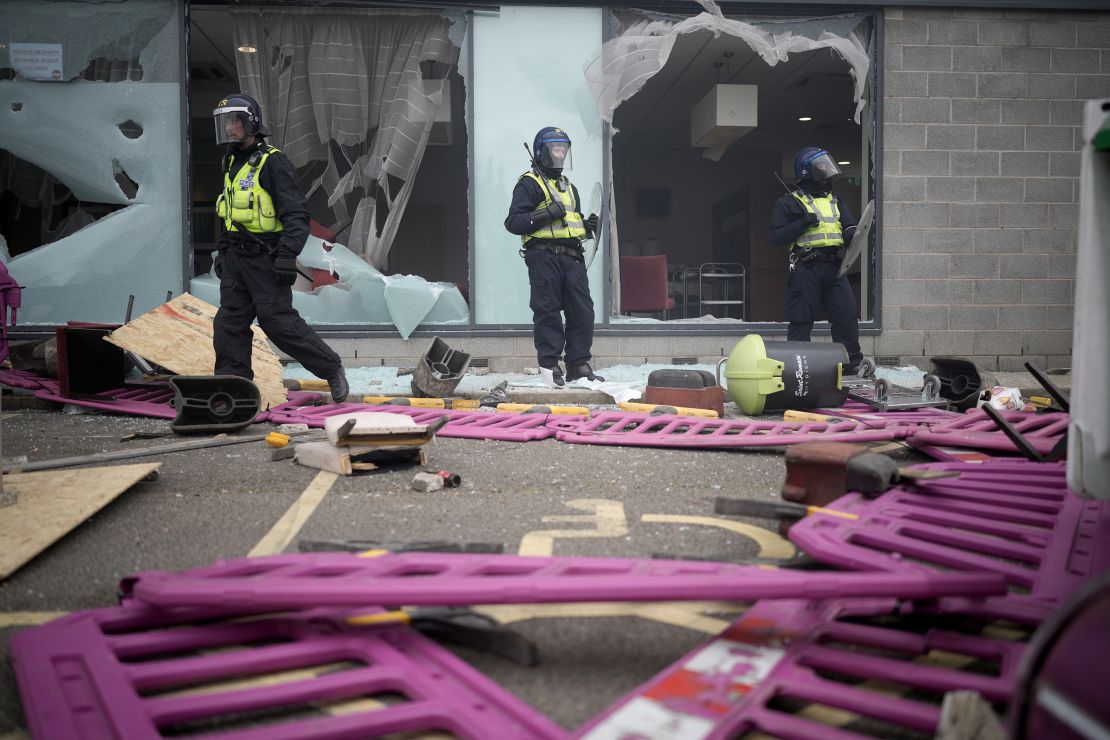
x=981, y=135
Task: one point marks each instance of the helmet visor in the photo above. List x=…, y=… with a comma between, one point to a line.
x=231, y=124
x=555, y=154
x=822, y=168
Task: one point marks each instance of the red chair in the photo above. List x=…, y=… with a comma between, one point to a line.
x=644, y=282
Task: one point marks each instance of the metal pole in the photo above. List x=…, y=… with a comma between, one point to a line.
x=7, y=498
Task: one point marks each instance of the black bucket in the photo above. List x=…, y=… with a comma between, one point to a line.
x=808, y=377
x=811, y=374
x=961, y=381
x=209, y=404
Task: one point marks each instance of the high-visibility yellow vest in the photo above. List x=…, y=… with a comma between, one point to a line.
x=245, y=201
x=827, y=231
x=570, y=226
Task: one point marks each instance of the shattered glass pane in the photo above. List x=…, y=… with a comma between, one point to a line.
x=345, y=290
x=114, y=151
x=345, y=87
x=509, y=58
x=624, y=64
x=121, y=40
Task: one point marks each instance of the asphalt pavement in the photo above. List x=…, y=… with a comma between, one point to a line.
x=539, y=497
x=222, y=502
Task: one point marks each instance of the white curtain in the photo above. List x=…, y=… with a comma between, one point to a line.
x=343, y=89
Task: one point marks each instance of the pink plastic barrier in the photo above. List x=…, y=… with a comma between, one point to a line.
x=645, y=430
x=978, y=431
x=10, y=300
x=465, y=424
x=1016, y=519
x=148, y=399
x=783, y=653
x=861, y=412
x=334, y=579
x=965, y=454
x=27, y=380
x=121, y=672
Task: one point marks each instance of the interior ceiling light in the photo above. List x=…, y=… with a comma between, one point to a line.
x=247, y=49
x=805, y=118
x=844, y=162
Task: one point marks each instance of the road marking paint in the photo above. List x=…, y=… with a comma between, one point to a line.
x=281, y=534
x=770, y=544
x=687, y=614
x=18, y=619
x=608, y=517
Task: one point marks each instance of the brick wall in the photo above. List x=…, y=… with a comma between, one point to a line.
x=981, y=139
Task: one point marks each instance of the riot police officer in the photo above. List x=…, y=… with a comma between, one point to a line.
x=546, y=213
x=817, y=225
x=265, y=228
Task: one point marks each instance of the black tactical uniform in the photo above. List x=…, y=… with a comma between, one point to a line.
x=257, y=271
x=553, y=232
x=813, y=281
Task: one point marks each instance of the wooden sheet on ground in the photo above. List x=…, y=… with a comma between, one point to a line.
x=52, y=502
x=178, y=336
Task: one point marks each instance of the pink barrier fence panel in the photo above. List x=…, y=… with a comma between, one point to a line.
x=645, y=430
x=783, y=655
x=965, y=454
x=27, y=380
x=924, y=416
x=133, y=672
x=10, y=301
x=1016, y=519
x=976, y=430
x=332, y=579
x=149, y=399
x=465, y=424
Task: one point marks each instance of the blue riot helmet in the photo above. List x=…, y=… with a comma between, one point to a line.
x=811, y=163
x=551, y=149
x=238, y=117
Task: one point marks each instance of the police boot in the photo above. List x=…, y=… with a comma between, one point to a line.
x=583, y=371
x=339, y=388
x=553, y=376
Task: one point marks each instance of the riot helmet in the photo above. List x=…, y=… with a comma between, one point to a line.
x=238, y=117
x=551, y=149
x=816, y=165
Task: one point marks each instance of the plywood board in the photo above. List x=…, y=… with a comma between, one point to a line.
x=178, y=336
x=52, y=502
x=343, y=460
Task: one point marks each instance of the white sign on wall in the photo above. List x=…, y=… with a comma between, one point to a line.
x=37, y=61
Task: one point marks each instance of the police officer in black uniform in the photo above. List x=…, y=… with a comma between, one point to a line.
x=265, y=228
x=817, y=225
x=546, y=213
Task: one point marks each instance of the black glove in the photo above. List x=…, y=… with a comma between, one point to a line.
x=591, y=225
x=218, y=265
x=811, y=219
x=285, y=270
x=553, y=211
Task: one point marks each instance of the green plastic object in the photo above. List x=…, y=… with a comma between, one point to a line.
x=764, y=376
x=1101, y=142
x=751, y=375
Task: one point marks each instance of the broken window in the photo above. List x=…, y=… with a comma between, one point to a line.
x=355, y=97
x=707, y=113
x=90, y=165
x=527, y=64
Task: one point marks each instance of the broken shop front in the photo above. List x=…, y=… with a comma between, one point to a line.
x=406, y=129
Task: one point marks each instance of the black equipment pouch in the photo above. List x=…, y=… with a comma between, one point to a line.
x=556, y=249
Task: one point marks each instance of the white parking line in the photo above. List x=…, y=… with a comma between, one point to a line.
x=282, y=533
